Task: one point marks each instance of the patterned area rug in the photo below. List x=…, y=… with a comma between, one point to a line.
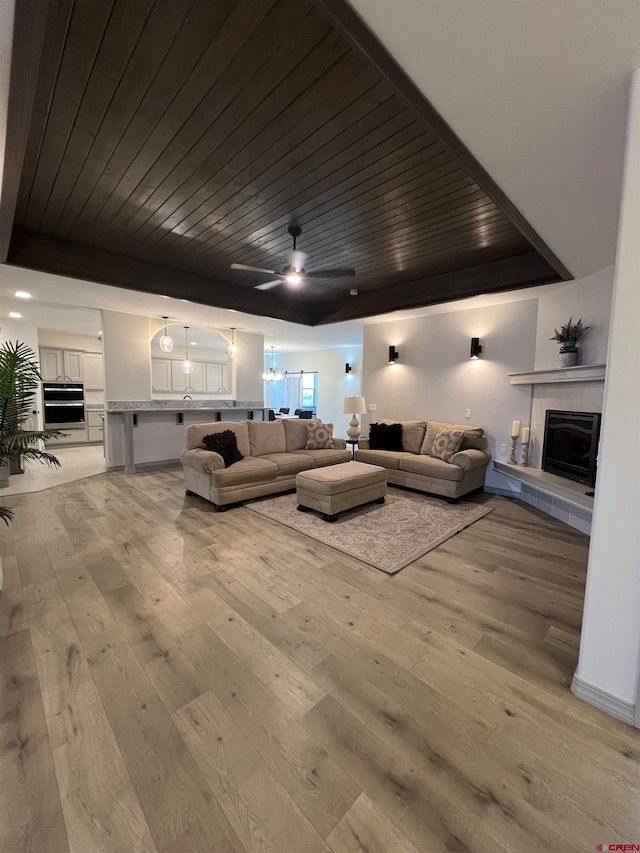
x=387, y=536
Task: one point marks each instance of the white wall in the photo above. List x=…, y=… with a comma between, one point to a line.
x=127, y=360
x=24, y=333
x=333, y=384
x=588, y=299
x=434, y=377
x=610, y=645
x=67, y=340
x=248, y=367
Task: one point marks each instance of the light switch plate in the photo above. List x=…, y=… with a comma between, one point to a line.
x=467, y=413
x=372, y=407
x=503, y=448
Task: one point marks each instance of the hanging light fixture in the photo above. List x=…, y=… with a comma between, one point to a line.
x=271, y=375
x=232, y=350
x=187, y=366
x=166, y=343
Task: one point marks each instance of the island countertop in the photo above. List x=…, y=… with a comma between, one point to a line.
x=121, y=407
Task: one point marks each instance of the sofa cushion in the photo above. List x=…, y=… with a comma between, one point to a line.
x=266, y=437
x=385, y=436
x=295, y=431
x=289, y=463
x=473, y=436
x=428, y=466
x=249, y=470
x=412, y=434
x=197, y=432
x=224, y=443
x=386, y=458
x=321, y=458
x=447, y=443
x=319, y=436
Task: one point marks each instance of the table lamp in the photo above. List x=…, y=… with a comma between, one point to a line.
x=354, y=406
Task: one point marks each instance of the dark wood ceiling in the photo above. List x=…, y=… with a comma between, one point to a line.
x=167, y=139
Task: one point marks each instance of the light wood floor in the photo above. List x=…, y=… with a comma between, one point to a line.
x=179, y=680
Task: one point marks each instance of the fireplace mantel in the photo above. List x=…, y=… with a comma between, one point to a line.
x=582, y=373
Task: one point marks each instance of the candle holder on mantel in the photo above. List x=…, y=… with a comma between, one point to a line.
x=525, y=455
x=512, y=458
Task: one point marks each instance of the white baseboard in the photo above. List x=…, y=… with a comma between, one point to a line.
x=607, y=702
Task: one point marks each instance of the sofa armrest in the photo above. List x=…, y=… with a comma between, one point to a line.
x=339, y=444
x=202, y=460
x=363, y=444
x=470, y=459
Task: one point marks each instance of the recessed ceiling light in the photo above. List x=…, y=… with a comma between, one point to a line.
x=14, y=315
x=193, y=344
x=162, y=296
x=22, y=294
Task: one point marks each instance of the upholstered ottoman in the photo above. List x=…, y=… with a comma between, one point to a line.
x=339, y=487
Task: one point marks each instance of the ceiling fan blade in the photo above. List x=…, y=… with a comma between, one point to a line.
x=268, y=284
x=330, y=273
x=252, y=269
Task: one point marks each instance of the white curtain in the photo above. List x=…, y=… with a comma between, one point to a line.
x=293, y=392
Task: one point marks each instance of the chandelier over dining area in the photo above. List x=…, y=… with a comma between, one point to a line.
x=271, y=375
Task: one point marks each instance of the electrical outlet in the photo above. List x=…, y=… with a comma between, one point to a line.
x=467, y=413
x=503, y=448
x=372, y=407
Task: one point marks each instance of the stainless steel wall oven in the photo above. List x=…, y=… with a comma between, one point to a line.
x=63, y=405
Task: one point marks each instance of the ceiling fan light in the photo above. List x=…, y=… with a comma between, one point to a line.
x=293, y=278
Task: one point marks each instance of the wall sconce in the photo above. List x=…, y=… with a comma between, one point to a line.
x=476, y=349
x=347, y=368
x=393, y=354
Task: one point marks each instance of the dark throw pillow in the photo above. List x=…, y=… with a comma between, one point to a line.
x=385, y=437
x=226, y=444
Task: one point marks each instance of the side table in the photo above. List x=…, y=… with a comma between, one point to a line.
x=354, y=443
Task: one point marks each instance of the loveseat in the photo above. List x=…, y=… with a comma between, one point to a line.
x=415, y=467
x=274, y=452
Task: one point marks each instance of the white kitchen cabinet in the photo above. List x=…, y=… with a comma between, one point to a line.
x=93, y=371
x=68, y=365
x=179, y=380
x=51, y=367
x=95, y=428
x=161, y=374
x=217, y=381
x=73, y=364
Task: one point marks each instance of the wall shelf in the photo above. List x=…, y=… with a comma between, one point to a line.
x=582, y=373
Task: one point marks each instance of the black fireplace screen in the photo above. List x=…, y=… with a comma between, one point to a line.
x=571, y=445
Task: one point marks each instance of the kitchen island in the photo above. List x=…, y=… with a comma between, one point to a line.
x=154, y=431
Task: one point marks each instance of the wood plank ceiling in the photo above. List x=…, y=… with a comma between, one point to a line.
x=170, y=138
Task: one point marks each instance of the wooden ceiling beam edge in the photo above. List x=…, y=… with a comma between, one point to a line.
x=30, y=25
x=34, y=250
x=350, y=24
x=520, y=271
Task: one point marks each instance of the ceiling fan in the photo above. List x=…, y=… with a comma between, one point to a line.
x=294, y=273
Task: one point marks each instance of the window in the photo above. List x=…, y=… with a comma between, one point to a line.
x=309, y=390
x=300, y=390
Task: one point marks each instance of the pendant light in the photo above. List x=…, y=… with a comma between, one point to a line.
x=232, y=350
x=187, y=366
x=166, y=343
x=271, y=375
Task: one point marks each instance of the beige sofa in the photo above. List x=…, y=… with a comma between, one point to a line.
x=415, y=468
x=274, y=453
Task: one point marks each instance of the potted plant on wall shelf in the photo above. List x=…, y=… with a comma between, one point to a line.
x=19, y=378
x=568, y=338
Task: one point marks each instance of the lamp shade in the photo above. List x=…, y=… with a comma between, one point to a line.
x=354, y=406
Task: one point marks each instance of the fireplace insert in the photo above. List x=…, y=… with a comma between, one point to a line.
x=571, y=445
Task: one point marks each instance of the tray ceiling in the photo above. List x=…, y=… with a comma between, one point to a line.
x=167, y=140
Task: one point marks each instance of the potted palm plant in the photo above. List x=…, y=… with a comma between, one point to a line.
x=568, y=338
x=19, y=378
